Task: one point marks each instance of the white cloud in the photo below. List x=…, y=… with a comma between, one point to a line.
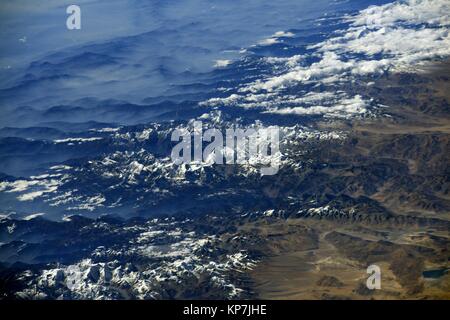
x=79, y=140
x=344, y=108
x=329, y=65
x=268, y=42
x=283, y=34
x=34, y=188
x=404, y=32
x=395, y=36
x=32, y=216
x=289, y=61
x=415, y=11
x=222, y=63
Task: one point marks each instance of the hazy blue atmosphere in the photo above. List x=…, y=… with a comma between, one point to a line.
x=135, y=49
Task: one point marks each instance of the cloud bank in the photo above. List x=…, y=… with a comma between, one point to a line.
x=396, y=36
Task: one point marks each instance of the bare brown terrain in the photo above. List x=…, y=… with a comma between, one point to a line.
x=399, y=163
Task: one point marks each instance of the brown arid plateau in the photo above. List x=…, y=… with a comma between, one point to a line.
x=391, y=180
